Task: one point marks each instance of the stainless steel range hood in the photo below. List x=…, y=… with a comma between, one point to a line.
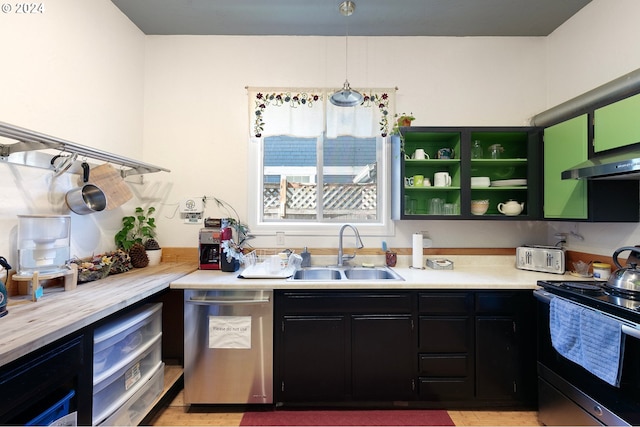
x=621, y=164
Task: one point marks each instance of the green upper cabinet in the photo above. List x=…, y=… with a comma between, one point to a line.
x=617, y=124
x=565, y=145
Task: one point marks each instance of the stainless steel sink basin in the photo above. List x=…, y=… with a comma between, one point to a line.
x=317, y=274
x=326, y=274
x=380, y=273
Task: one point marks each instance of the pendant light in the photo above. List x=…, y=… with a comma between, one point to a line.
x=346, y=97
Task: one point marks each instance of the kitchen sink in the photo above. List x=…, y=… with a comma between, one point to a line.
x=322, y=274
x=317, y=274
x=381, y=273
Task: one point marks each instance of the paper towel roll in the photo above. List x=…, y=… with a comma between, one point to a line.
x=417, y=251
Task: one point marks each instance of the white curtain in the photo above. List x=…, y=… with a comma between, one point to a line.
x=307, y=112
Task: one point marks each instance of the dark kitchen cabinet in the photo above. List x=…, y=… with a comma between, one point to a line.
x=445, y=346
x=505, y=350
x=435, y=349
x=34, y=383
x=344, y=346
x=312, y=357
x=515, y=175
x=381, y=355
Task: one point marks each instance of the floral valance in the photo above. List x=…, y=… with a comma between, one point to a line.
x=307, y=112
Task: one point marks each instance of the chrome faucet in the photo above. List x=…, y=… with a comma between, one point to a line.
x=341, y=257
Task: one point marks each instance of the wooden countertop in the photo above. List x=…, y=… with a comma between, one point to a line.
x=32, y=325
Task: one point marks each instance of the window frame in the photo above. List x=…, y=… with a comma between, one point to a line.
x=384, y=226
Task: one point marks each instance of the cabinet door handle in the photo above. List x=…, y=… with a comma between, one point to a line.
x=228, y=302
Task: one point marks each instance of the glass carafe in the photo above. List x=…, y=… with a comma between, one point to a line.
x=476, y=150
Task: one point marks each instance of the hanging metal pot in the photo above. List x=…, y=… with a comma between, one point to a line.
x=625, y=278
x=88, y=198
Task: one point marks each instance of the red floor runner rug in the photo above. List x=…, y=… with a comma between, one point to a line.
x=391, y=417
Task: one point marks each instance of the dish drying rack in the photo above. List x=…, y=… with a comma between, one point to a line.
x=270, y=264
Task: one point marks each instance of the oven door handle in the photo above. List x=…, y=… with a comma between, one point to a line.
x=542, y=295
x=627, y=329
x=631, y=331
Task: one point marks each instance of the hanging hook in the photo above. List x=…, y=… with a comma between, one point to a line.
x=65, y=165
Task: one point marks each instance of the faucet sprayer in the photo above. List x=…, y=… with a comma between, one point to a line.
x=359, y=245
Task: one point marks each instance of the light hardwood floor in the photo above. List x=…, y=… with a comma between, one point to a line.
x=174, y=415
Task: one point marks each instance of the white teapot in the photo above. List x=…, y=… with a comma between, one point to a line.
x=511, y=208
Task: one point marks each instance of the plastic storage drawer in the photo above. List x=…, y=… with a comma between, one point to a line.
x=110, y=392
x=133, y=411
x=116, y=340
x=55, y=412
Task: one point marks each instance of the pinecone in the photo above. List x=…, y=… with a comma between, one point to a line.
x=151, y=245
x=138, y=255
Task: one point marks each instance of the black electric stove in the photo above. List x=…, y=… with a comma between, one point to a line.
x=568, y=394
x=598, y=295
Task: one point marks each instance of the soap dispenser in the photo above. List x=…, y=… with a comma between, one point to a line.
x=306, y=258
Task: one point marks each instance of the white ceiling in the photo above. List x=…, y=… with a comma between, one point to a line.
x=371, y=17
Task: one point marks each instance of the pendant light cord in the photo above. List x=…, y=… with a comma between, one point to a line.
x=346, y=51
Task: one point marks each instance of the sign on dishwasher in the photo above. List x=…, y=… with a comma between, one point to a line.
x=230, y=332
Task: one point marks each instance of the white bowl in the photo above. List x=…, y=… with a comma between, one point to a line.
x=480, y=181
x=479, y=207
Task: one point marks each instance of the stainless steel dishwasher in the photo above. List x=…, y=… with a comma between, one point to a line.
x=228, y=346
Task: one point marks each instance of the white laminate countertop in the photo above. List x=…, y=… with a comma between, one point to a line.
x=31, y=325
x=470, y=272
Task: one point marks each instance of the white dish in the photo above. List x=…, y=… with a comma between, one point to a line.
x=480, y=181
x=509, y=183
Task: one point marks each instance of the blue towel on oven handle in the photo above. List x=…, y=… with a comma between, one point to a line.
x=590, y=339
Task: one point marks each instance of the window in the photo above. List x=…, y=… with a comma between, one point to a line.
x=300, y=172
x=316, y=166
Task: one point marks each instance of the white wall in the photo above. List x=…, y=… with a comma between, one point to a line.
x=75, y=72
x=82, y=71
x=197, y=109
x=597, y=45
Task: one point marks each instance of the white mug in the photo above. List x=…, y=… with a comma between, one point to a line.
x=441, y=179
x=419, y=154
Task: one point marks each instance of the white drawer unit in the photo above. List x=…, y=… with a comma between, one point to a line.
x=133, y=411
x=127, y=355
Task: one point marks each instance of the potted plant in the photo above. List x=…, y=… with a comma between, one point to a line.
x=402, y=120
x=137, y=230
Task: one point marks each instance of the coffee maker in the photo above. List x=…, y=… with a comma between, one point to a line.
x=209, y=245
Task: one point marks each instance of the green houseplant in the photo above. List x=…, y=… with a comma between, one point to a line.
x=138, y=231
x=401, y=120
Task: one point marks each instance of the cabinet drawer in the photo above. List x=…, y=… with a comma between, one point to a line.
x=341, y=302
x=443, y=365
x=115, y=389
x=444, y=334
x=442, y=389
x=497, y=302
x=136, y=408
x=117, y=339
x=445, y=302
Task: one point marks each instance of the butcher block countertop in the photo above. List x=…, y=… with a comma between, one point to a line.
x=470, y=272
x=32, y=325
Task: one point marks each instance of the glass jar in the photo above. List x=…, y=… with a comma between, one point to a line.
x=476, y=150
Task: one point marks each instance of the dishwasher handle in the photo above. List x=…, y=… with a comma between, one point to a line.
x=228, y=301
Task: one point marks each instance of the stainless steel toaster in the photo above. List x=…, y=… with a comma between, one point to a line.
x=546, y=259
